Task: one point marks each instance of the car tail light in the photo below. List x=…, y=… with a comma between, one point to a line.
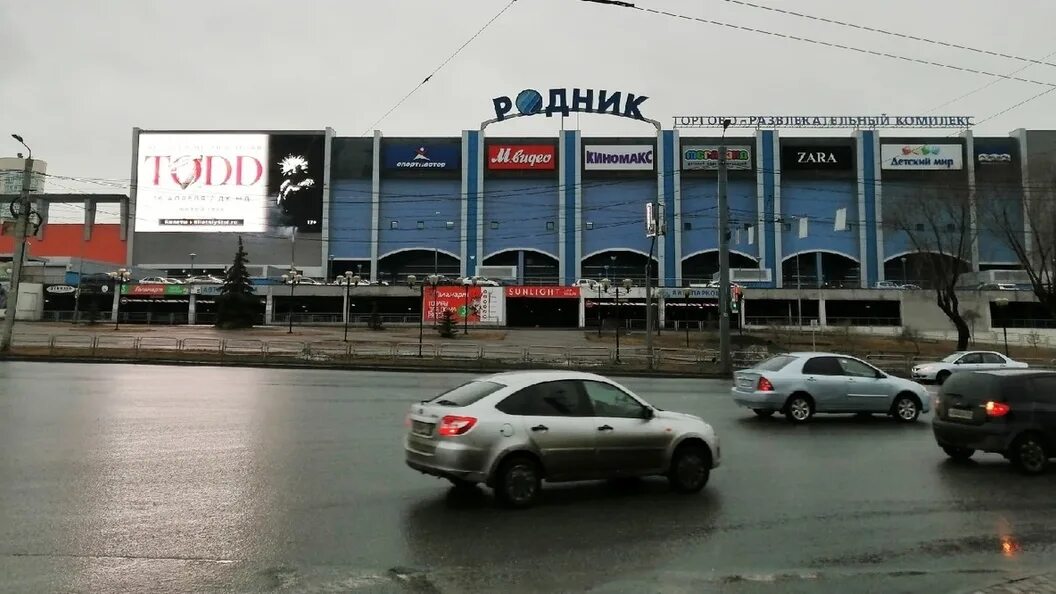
x=455, y=425
x=764, y=385
x=997, y=409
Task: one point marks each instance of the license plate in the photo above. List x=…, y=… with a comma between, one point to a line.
x=957, y=413
x=422, y=428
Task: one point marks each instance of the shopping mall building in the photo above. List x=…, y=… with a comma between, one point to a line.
x=810, y=233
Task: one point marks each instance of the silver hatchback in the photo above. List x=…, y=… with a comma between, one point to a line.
x=513, y=430
x=801, y=384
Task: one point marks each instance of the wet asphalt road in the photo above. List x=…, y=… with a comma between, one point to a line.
x=137, y=478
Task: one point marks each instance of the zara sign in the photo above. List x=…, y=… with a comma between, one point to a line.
x=814, y=158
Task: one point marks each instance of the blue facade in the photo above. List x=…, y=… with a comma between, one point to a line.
x=818, y=200
x=517, y=213
x=571, y=215
x=350, y=217
x=408, y=202
x=616, y=212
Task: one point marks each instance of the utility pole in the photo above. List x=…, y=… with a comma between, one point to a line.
x=19, y=254
x=726, y=364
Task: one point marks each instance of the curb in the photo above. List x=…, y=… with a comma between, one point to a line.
x=365, y=366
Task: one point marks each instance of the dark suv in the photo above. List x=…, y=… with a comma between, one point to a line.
x=1010, y=412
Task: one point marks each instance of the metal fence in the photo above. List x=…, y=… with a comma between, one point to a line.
x=455, y=355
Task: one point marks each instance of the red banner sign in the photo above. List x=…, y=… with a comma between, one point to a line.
x=454, y=299
x=543, y=292
x=536, y=157
x=143, y=290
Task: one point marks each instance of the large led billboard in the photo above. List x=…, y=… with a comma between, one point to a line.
x=229, y=182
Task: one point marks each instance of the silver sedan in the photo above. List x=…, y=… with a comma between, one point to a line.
x=802, y=384
x=513, y=430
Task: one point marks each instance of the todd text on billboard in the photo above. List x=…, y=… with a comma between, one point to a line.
x=241, y=182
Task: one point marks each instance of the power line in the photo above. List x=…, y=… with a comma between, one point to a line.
x=1030, y=62
x=835, y=45
x=984, y=87
x=437, y=69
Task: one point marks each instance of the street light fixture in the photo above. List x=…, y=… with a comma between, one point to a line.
x=412, y=282
x=294, y=279
x=120, y=277
x=349, y=280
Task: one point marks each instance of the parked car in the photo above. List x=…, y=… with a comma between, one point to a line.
x=938, y=371
x=512, y=431
x=997, y=287
x=479, y=281
x=1009, y=412
x=307, y=280
x=205, y=279
x=586, y=283
x=799, y=385
x=887, y=285
x=159, y=280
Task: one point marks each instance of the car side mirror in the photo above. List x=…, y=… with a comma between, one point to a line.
x=957, y=362
x=648, y=413
x=879, y=374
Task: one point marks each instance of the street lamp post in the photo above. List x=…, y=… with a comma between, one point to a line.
x=412, y=282
x=1002, y=303
x=120, y=277
x=193, y=256
x=330, y=268
x=627, y=284
x=349, y=280
x=294, y=278
x=603, y=282
x=685, y=306
x=905, y=278
x=467, y=283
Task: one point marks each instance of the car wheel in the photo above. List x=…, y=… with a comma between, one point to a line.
x=763, y=412
x=958, y=453
x=906, y=409
x=518, y=482
x=799, y=409
x=941, y=377
x=690, y=468
x=1028, y=454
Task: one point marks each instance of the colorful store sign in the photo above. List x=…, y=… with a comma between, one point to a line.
x=921, y=156
x=816, y=158
x=414, y=157
x=153, y=290
x=526, y=157
x=707, y=157
x=542, y=292
x=481, y=305
x=618, y=157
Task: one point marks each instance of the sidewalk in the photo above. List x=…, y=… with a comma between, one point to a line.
x=1038, y=584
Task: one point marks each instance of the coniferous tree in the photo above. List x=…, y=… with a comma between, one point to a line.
x=237, y=305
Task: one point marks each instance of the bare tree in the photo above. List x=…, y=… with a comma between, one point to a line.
x=1028, y=228
x=940, y=231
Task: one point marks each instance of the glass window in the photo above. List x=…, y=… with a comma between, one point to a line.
x=971, y=358
x=993, y=358
x=687, y=226
x=450, y=225
x=823, y=366
x=394, y=224
x=494, y=224
x=775, y=363
x=421, y=224
x=549, y=225
x=466, y=394
x=856, y=368
x=548, y=399
x=590, y=225
x=610, y=401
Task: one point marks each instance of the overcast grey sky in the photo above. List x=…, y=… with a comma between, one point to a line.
x=77, y=75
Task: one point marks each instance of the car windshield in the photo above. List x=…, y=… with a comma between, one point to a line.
x=466, y=394
x=775, y=363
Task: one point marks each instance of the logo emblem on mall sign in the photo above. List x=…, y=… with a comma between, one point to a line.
x=421, y=160
x=707, y=157
x=522, y=156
